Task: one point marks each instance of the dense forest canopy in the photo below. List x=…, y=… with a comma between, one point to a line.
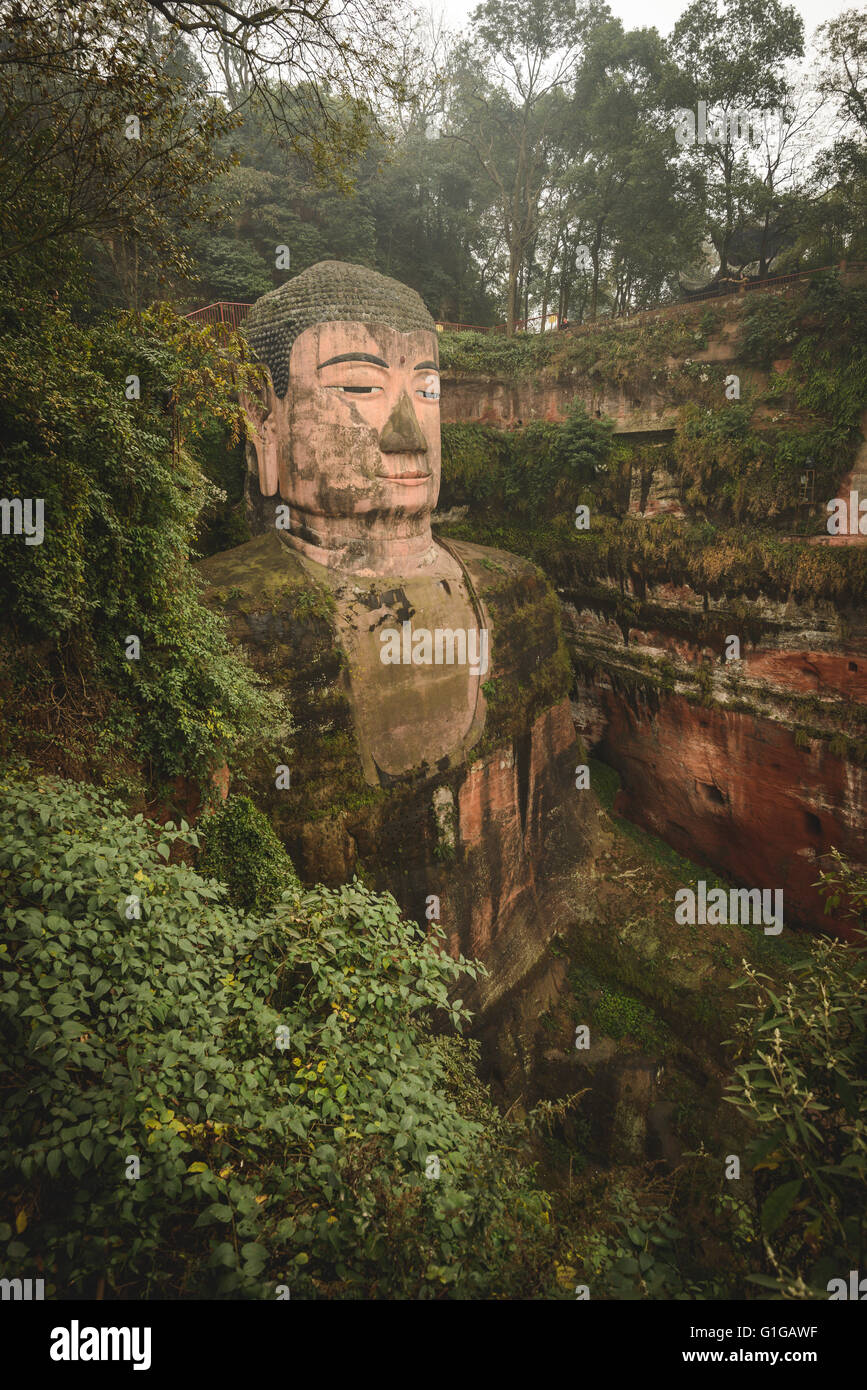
x=532, y=164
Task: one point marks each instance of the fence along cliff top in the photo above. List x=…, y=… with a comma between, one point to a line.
x=234, y=312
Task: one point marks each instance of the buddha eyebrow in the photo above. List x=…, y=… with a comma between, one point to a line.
x=353, y=357
x=430, y=366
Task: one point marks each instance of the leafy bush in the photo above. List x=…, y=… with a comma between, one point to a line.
x=495, y=353
x=767, y=328
x=222, y=522
x=723, y=562
x=803, y=1085
x=121, y=502
x=731, y=469
x=233, y=269
x=733, y=464
x=617, y=351
x=585, y=444
x=265, y=1159
x=528, y=471
x=636, y=1253
x=623, y=1016
x=242, y=851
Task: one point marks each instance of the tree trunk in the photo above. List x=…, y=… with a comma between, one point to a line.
x=597, y=242
x=512, y=294
x=546, y=284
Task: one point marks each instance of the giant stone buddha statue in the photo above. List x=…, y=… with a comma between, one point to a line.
x=428, y=679
x=348, y=435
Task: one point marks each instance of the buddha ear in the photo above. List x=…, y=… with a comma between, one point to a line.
x=261, y=448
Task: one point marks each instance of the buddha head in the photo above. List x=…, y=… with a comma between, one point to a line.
x=347, y=430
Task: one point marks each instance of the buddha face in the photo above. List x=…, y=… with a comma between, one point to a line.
x=354, y=447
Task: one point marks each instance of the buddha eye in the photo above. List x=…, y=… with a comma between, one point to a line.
x=358, y=390
x=431, y=389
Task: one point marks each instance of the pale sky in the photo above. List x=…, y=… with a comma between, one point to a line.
x=638, y=14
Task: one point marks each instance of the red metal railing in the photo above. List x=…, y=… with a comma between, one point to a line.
x=224, y=311
x=444, y=326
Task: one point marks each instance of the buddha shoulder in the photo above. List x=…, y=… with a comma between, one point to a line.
x=256, y=572
x=496, y=573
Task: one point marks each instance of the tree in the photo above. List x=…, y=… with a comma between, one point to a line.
x=269, y=198
x=801, y=1085
x=732, y=57
x=629, y=196
x=844, y=74
x=510, y=110
x=292, y=58
x=121, y=492
x=114, y=114
x=842, y=169
x=101, y=133
x=778, y=199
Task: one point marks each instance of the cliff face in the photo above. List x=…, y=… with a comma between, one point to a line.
x=733, y=790
x=496, y=400
x=734, y=427
x=749, y=765
x=640, y=397
x=523, y=831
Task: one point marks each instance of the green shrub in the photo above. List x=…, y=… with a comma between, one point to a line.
x=520, y=355
x=585, y=444
x=222, y=523
x=241, y=849
x=158, y=1038
x=802, y=1084
x=529, y=471
x=638, y=1254
x=623, y=1016
x=122, y=496
x=734, y=466
x=768, y=328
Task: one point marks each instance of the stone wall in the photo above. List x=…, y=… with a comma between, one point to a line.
x=740, y=771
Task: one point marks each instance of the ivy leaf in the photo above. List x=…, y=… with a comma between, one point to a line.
x=777, y=1206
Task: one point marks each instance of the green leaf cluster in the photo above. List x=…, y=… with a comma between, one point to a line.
x=800, y=1080
x=241, y=849
x=523, y=471
x=274, y=1075
x=122, y=495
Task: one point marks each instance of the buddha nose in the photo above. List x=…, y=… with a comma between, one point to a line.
x=401, y=433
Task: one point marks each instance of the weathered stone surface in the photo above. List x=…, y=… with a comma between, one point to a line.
x=714, y=762
x=504, y=402
x=494, y=830
x=353, y=449
x=735, y=791
x=330, y=291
